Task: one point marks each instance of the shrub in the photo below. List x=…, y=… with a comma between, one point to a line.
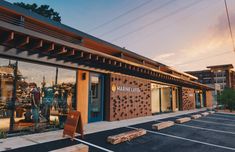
x=227, y=98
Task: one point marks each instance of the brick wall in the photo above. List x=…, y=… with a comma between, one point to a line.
x=129, y=97
x=188, y=99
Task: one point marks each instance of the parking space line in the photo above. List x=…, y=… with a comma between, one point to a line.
x=216, y=123
x=93, y=145
x=219, y=118
x=202, y=128
x=186, y=139
x=223, y=115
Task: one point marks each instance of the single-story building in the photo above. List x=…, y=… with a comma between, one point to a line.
x=76, y=71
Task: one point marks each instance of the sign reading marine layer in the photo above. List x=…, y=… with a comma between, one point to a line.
x=125, y=88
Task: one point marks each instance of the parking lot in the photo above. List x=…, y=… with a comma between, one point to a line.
x=215, y=132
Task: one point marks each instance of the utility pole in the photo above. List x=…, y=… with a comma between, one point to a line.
x=229, y=25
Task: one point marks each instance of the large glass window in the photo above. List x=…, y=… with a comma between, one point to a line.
x=155, y=98
x=166, y=104
x=6, y=92
x=44, y=95
x=175, y=99
x=197, y=99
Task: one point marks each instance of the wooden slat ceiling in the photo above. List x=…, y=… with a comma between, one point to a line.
x=50, y=49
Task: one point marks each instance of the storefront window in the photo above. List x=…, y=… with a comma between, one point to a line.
x=161, y=98
x=175, y=99
x=166, y=99
x=155, y=98
x=198, y=99
x=6, y=92
x=44, y=95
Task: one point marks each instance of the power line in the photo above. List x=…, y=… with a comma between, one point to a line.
x=136, y=18
x=119, y=16
x=229, y=24
x=182, y=18
x=157, y=20
x=204, y=58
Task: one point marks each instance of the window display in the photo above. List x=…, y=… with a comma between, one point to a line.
x=43, y=95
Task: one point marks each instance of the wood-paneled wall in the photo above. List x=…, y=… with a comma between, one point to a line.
x=209, y=99
x=83, y=94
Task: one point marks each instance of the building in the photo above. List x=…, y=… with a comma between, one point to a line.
x=222, y=75
x=74, y=70
x=217, y=76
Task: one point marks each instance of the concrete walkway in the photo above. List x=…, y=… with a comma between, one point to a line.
x=28, y=140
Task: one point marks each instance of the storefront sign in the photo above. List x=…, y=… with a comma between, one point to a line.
x=125, y=89
x=191, y=95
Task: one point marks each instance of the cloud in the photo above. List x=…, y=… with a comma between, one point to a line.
x=164, y=56
x=204, y=50
x=221, y=27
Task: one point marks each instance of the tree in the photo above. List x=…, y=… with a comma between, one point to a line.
x=227, y=98
x=43, y=10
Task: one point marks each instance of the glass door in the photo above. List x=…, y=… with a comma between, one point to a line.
x=95, y=106
x=155, y=98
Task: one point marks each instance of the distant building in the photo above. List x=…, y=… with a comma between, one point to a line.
x=222, y=75
x=217, y=76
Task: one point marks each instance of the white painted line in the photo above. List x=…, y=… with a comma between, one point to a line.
x=186, y=139
x=93, y=145
x=219, y=118
x=225, y=115
x=202, y=128
x=230, y=125
x=216, y=123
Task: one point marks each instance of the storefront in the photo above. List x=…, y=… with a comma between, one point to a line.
x=56, y=88
x=66, y=69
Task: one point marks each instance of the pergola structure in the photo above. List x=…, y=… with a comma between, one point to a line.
x=26, y=37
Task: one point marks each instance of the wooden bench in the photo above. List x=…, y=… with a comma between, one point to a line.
x=74, y=148
x=204, y=113
x=196, y=116
x=211, y=112
x=162, y=125
x=126, y=136
x=183, y=120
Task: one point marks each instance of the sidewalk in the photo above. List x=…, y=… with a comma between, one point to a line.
x=28, y=140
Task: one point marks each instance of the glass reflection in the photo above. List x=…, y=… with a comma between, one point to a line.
x=44, y=95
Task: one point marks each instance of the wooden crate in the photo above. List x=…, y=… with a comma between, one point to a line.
x=126, y=136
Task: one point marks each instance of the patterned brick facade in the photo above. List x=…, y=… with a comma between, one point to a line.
x=188, y=99
x=129, y=97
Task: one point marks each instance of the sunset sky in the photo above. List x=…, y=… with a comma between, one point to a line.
x=185, y=34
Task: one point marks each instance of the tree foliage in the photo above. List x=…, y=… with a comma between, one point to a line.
x=227, y=98
x=43, y=10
